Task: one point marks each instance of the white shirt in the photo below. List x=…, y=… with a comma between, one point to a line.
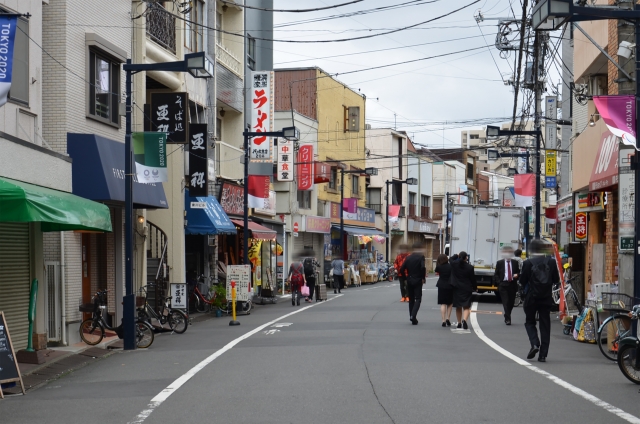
x=507, y=267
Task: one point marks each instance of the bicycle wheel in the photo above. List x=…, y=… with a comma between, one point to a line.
x=178, y=321
x=199, y=305
x=246, y=306
x=555, y=292
x=609, y=334
x=225, y=308
x=627, y=363
x=144, y=335
x=518, y=300
x=91, y=332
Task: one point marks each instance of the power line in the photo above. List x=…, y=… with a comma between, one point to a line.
x=317, y=9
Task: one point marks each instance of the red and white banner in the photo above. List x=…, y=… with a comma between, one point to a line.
x=258, y=188
x=261, y=116
x=285, y=160
x=394, y=211
x=305, y=167
x=524, y=189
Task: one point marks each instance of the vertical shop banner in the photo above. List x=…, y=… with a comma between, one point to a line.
x=305, y=167
x=605, y=168
x=550, y=125
x=626, y=202
x=8, y=25
x=198, y=161
x=170, y=114
x=350, y=205
x=322, y=173
x=285, y=160
x=258, y=188
x=524, y=189
x=256, y=262
x=262, y=99
x=581, y=226
x=150, y=155
x=550, y=170
x=619, y=114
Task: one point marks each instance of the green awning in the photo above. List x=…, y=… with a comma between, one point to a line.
x=56, y=210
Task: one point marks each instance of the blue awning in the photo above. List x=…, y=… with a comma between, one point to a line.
x=210, y=220
x=98, y=173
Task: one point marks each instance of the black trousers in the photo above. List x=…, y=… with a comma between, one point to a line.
x=311, y=282
x=544, y=313
x=403, y=286
x=508, y=296
x=414, y=291
x=338, y=282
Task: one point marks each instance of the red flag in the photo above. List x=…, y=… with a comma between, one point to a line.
x=525, y=189
x=394, y=211
x=258, y=188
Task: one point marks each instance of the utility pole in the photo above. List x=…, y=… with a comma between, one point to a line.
x=538, y=86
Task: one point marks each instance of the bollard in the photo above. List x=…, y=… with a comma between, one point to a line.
x=233, y=304
x=32, y=313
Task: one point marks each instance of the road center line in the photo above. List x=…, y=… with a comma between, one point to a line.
x=171, y=388
x=560, y=382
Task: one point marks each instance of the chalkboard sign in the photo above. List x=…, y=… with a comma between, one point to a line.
x=9, y=370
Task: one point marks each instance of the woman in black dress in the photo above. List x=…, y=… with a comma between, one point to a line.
x=463, y=280
x=445, y=289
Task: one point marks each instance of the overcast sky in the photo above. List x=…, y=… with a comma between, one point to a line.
x=452, y=88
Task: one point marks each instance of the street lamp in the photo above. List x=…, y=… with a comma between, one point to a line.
x=192, y=63
x=408, y=181
x=291, y=134
x=466, y=193
x=366, y=171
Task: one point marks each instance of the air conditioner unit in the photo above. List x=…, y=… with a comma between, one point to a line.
x=597, y=85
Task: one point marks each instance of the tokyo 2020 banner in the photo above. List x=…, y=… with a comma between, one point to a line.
x=7, y=37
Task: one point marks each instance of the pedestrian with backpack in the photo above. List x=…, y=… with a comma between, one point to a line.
x=416, y=271
x=538, y=276
x=296, y=281
x=310, y=276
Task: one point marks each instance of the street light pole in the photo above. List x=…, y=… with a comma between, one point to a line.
x=386, y=229
x=446, y=227
x=245, y=216
x=538, y=60
x=128, y=304
x=342, y=243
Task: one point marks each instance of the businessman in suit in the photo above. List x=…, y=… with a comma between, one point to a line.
x=506, y=276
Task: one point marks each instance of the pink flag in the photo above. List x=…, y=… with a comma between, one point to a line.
x=394, y=211
x=525, y=189
x=258, y=188
x=619, y=114
x=350, y=205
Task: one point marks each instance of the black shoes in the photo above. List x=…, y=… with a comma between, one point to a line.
x=335, y=292
x=459, y=325
x=532, y=353
x=507, y=321
x=414, y=321
x=464, y=325
x=542, y=359
x=448, y=323
x=444, y=324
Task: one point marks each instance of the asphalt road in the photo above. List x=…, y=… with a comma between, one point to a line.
x=353, y=359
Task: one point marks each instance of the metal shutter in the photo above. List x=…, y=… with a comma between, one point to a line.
x=303, y=239
x=15, y=271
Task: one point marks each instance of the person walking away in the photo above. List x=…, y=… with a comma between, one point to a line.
x=402, y=255
x=539, y=275
x=296, y=280
x=463, y=280
x=505, y=277
x=445, y=289
x=518, y=257
x=338, y=275
x=310, y=276
x=416, y=271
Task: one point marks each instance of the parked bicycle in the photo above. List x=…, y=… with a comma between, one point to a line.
x=519, y=296
x=205, y=302
x=92, y=330
x=617, y=326
x=570, y=296
x=177, y=320
x=628, y=356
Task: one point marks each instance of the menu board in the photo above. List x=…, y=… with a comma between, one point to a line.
x=241, y=274
x=9, y=371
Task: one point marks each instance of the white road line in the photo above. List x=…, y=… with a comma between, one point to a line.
x=560, y=382
x=171, y=388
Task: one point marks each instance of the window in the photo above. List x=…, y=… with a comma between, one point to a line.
x=474, y=136
x=193, y=27
x=20, y=80
x=470, y=171
x=218, y=129
x=304, y=199
x=412, y=204
x=374, y=199
x=437, y=208
x=219, y=27
x=251, y=52
x=396, y=195
x=424, y=207
x=355, y=184
x=333, y=178
x=104, y=88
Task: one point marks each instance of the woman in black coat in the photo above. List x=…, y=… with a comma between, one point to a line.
x=445, y=289
x=463, y=280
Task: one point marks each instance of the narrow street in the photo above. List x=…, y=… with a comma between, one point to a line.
x=353, y=359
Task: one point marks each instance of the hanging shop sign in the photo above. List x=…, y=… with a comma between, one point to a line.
x=619, y=115
x=285, y=160
x=316, y=224
x=551, y=126
x=322, y=173
x=260, y=147
x=170, y=114
x=198, y=161
x=569, y=227
x=150, y=155
x=581, y=226
x=363, y=216
x=423, y=227
x=590, y=202
x=626, y=205
x=232, y=199
x=305, y=167
x=8, y=26
x=605, y=167
x=550, y=170
x=241, y=274
x=269, y=205
x=565, y=210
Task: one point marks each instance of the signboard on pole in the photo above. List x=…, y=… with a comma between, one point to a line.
x=170, y=114
x=551, y=126
x=241, y=274
x=626, y=206
x=262, y=99
x=305, y=167
x=179, y=296
x=581, y=226
x=150, y=155
x=8, y=26
x=285, y=160
x=198, y=161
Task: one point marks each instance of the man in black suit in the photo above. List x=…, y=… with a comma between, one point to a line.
x=506, y=276
x=414, y=265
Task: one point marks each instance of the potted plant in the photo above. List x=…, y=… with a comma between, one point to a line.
x=220, y=301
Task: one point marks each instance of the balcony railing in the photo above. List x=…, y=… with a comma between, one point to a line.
x=161, y=27
x=227, y=58
x=375, y=206
x=412, y=210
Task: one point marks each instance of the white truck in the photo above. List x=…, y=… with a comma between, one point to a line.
x=481, y=231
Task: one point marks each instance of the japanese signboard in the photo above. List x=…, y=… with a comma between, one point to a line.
x=241, y=274
x=198, y=161
x=232, y=199
x=581, y=226
x=551, y=126
x=150, y=155
x=626, y=205
x=590, y=202
x=285, y=160
x=305, y=167
x=170, y=114
x=322, y=173
x=316, y=224
x=179, y=295
x=262, y=99
x=362, y=216
x=550, y=164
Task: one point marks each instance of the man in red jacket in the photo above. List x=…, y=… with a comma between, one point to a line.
x=402, y=277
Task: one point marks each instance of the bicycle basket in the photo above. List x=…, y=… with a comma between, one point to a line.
x=140, y=301
x=618, y=302
x=88, y=307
